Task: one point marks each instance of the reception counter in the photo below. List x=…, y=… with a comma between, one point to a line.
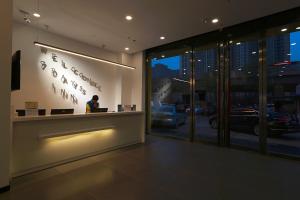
x=45, y=141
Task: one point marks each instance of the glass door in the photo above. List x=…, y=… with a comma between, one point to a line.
x=171, y=93
x=206, y=73
x=244, y=93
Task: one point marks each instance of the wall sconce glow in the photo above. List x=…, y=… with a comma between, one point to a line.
x=37, y=15
x=162, y=37
x=214, y=21
x=284, y=29
x=81, y=55
x=128, y=17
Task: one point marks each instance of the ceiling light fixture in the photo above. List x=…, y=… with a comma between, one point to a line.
x=37, y=15
x=126, y=48
x=284, y=29
x=81, y=55
x=162, y=37
x=215, y=20
x=128, y=18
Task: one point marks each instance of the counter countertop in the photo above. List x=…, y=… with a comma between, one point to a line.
x=71, y=116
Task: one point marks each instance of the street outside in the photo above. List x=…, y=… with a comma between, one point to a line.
x=285, y=144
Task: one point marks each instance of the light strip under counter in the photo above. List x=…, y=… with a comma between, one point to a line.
x=74, y=133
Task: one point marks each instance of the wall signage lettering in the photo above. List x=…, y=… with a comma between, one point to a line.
x=63, y=92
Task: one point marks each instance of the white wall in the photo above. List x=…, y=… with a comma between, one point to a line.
x=5, y=59
x=118, y=85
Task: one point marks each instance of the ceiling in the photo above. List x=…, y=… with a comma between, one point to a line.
x=100, y=22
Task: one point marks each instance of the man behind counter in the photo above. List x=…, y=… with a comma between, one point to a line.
x=92, y=104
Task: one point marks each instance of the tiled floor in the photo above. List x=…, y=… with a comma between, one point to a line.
x=165, y=169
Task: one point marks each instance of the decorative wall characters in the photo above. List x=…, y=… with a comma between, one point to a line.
x=64, y=93
x=83, y=91
x=63, y=64
x=83, y=77
x=54, y=57
x=54, y=73
x=44, y=65
x=54, y=88
x=74, y=84
x=75, y=71
x=74, y=99
x=44, y=50
x=99, y=88
x=64, y=79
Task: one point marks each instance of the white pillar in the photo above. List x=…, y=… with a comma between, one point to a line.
x=5, y=71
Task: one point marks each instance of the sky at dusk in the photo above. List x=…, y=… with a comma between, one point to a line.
x=172, y=62
x=295, y=46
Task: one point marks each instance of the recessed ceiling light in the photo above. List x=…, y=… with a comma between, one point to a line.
x=215, y=20
x=129, y=18
x=126, y=48
x=162, y=37
x=37, y=15
x=284, y=29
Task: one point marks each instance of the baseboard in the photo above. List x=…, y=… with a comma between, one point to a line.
x=4, y=189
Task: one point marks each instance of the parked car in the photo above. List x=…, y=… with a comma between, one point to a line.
x=167, y=115
x=198, y=110
x=247, y=120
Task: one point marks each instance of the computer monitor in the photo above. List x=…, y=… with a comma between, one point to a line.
x=100, y=110
x=62, y=111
